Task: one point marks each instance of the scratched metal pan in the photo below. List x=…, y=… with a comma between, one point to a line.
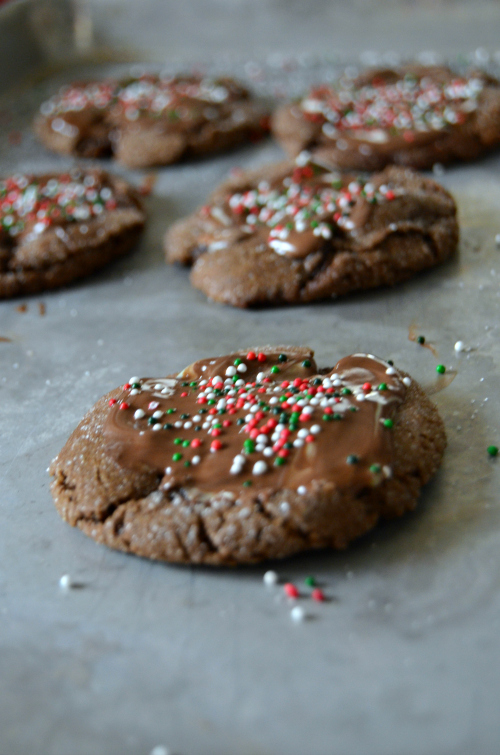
x=404, y=656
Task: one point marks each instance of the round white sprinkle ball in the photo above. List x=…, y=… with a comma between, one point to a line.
x=459, y=346
x=259, y=467
x=297, y=614
x=270, y=578
x=65, y=583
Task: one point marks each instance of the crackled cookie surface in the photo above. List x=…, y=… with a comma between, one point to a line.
x=249, y=456
x=61, y=226
x=415, y=116
x=296, y=232
x=150, y=120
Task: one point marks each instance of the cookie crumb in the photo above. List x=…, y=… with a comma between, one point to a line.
x=22, y=308
x=41, y=308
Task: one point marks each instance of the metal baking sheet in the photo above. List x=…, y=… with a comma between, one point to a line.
x=404, y=655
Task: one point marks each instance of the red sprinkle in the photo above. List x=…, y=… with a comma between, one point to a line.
x=215, y=432
x=226, y=423
x=112, y=401
x=123, y=405
x=184, y=394
x=318, y=595
x=215, y=445
x=126, y=386
x=290, y=590
x=251, y=356
x=196, y=443
x=367, y=386
x=262, y=357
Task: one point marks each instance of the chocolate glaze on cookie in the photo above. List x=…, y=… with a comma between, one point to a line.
x=150, y=120
x=254, y=455
x=299, y=232
x=415, y=116
x=58, y=227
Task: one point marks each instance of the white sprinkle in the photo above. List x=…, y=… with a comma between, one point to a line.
x=407, y=381
x=260, y=376
x=231, y=371
x=242, y=367
x=187, y=425
x=302, y=490
x=270, y=578
x=390, y=371
x=459, y=346
x=139, y=414
x=315, y=429
x=158, y=414
x=157, y=426
x=297, y=614
x=284, y=507
x=168, y=470
x=134, y=380
x=360, y=397
x=298, y=443
x=66, y=583
x=262, y=439
x=268, y=451
x=303, y=433
x=260, y=467
x=387, y=471
x=195, y=460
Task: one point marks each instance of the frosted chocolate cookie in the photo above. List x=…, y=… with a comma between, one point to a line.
x=61, y=226
x=295, y=233
x=415, y=116
x=151, y=120
x=249, y=456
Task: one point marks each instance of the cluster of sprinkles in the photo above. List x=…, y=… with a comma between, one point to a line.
x=39, y=202
x=147, y=94
x=310, y=200
x=292, y=592
x=407, y=105
x=273, y=417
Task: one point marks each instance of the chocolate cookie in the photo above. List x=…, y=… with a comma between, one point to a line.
x=415, y=116
x=249, y=456
x=298, y=232
x=151, y=120
x=61, y=226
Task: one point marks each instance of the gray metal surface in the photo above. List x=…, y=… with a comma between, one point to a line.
x=404, y=657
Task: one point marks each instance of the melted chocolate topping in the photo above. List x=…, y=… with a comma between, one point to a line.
x=260, y=421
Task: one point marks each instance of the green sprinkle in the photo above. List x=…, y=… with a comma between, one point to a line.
x=314, y=224
x=281, y=399
x=202, y=411
x=185, y=443
x=197, y=428
x=167, y=426
x=288, y=445
x=216, y=424
x=310, y=581
x=353, y=409
x=382, y=387
x=221, y=411
x=492, y=450
x=283, y=418
x=240, y=421
x=176, y=457
x=282, y=358
x=441, y=369
x=275, y=369
x=249, y=445
x=187, y=463
x=178, y=441
x=292, y=426
x=375, y=468
x=184, y=384
x=421, y=340
x=136, y=385
x=193, y=384
x=184, y=416
x=389, y=361
x=337, y=416
x=346, y=391
x=352, y=459
x=211, y=401
x=327, y=417
x=171, y=411
x=247, y=483
x=294, y=416
x=237, y=362
x=278, y=462
x=388, y=423
x=306, y=362
x=153, y=421
x=316, y=381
